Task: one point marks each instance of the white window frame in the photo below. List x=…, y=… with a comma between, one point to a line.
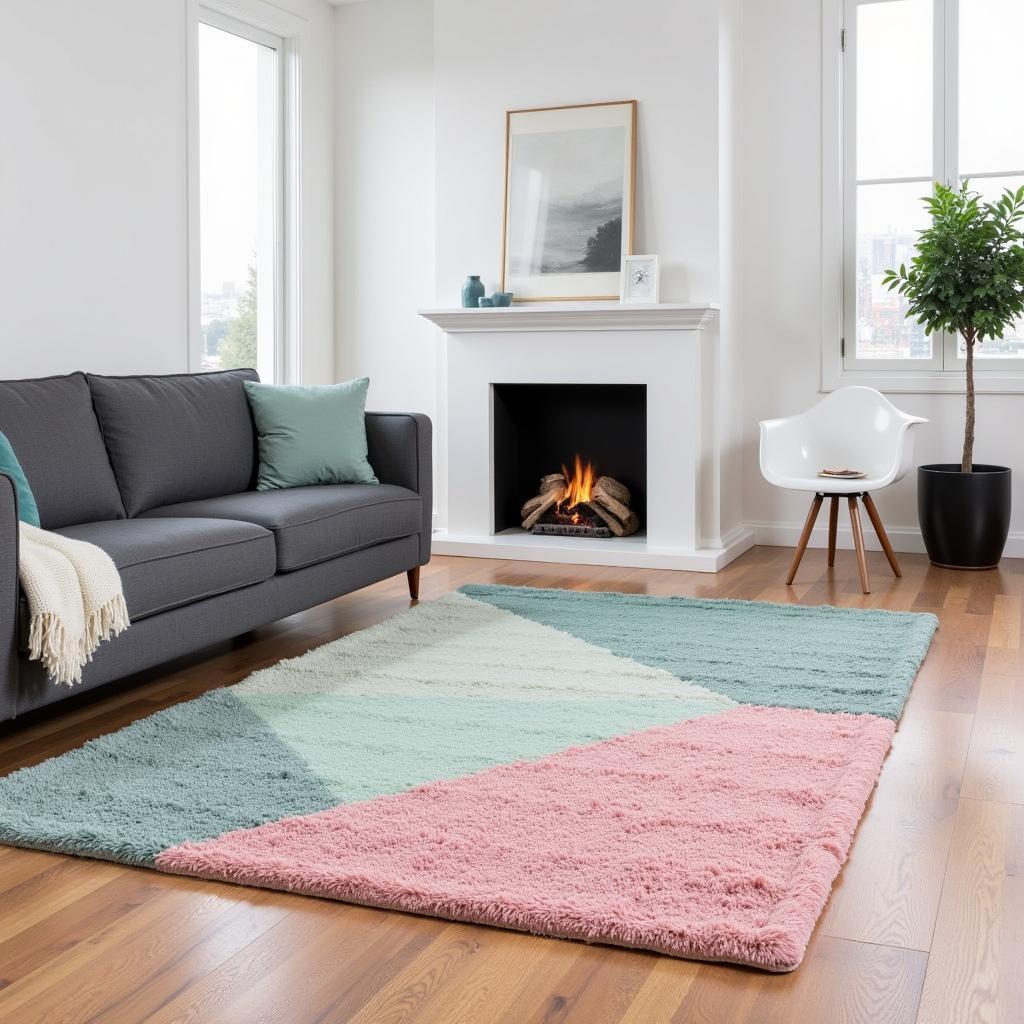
x=840, y=367
x=267, y=25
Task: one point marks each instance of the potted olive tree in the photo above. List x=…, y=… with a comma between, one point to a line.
x=967, y=278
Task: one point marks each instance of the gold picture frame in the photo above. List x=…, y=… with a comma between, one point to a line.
x=564, y=243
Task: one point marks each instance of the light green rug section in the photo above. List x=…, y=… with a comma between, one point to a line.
x=461, y=647
x=361, y=747
x=782, y=655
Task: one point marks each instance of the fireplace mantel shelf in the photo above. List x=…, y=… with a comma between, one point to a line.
x=612, y=316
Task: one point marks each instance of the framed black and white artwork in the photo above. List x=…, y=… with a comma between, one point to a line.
x=569, y=200
x=639, y=279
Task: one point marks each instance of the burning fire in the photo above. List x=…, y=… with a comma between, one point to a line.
x=579, y=486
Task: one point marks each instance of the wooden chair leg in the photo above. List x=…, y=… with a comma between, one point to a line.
x=833, y=523
x=801, y=547
x=858, y=543
x=883, y=537
x=413, y=576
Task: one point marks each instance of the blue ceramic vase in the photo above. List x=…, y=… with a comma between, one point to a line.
x=472, y=290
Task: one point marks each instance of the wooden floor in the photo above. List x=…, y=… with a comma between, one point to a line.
x=926, y=922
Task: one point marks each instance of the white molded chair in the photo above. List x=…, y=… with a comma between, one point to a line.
x=852, y=428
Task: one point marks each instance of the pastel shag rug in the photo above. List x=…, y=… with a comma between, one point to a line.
x=670, y=774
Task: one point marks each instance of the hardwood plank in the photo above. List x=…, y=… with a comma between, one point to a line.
x=1004, y=632
x=66, y=880
x=436, y=971
x=494, y=982
x=664, y=988
x=37, y=943
x=840, y=982
x=268, y=965
x=888, y=891
x=134, y=952
x=995, y=765
x=974, y=972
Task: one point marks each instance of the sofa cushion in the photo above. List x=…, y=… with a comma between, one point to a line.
x=313, y=524
x=28, y=511
x=53, y=430
x=165, y=563
x=177, y=438
x=310, y=434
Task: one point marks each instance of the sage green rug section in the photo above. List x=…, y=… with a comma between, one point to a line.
x=824, y=658
x=443, y=690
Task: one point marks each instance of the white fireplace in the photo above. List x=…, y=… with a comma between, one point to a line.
x=667, y=349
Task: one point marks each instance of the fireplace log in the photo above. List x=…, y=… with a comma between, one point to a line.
x=531, y=505
x=631, y=525
x=606, y=517
x=552, y=482
x=611, y=503
x=608, y=484
x=552, y=497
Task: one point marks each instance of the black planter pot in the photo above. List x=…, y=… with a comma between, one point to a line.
x=965, y=517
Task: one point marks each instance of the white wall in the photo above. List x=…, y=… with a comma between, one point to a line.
x=781, y=284
x=93, y=215
x=92, y=179
x=384, y=207
x=579, y=51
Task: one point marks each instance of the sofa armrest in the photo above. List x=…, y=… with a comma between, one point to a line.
x=400, y=453
x=8, y=598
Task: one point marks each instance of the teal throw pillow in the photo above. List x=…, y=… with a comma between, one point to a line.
x=28, y=512
x=310, y=434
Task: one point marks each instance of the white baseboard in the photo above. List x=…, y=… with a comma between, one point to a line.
x=625, y=552
x=902, y=538
x=745, y=536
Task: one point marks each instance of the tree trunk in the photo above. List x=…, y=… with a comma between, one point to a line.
x=967, y=459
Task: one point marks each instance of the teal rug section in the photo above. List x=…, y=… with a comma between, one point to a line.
x=443, y=690
x=196, y=769
x=824, y=658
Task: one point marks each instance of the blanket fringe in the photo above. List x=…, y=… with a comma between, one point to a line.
x=64, y=655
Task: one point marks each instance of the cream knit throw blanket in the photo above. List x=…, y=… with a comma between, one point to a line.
x=74, y=600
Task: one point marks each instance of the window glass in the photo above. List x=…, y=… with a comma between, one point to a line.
x=888, y=219
x=238, y=188
x=894, y=89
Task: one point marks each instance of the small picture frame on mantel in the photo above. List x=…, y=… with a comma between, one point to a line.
x=640, y=280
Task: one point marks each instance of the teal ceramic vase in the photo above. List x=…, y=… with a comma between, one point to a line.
x=472, y=290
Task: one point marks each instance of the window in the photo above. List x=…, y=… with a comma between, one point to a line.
x=240, y=196
x=930, y=90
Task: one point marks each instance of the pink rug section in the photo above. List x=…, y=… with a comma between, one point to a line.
x=716, y=838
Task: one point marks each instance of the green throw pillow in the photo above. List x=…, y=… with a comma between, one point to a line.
x=28, y=512
x=310, y=434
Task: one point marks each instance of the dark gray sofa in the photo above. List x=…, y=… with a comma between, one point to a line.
x=159, y=472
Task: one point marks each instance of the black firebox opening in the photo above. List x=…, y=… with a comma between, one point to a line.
x=538, y=428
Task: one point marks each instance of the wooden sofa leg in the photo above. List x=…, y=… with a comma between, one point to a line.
x=833, y=523
x=858, y=543
x=883, y=537
x=413, y=576
x=801, y=547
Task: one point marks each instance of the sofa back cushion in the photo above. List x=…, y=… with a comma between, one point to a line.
x=52, y=428
x=177, y=438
